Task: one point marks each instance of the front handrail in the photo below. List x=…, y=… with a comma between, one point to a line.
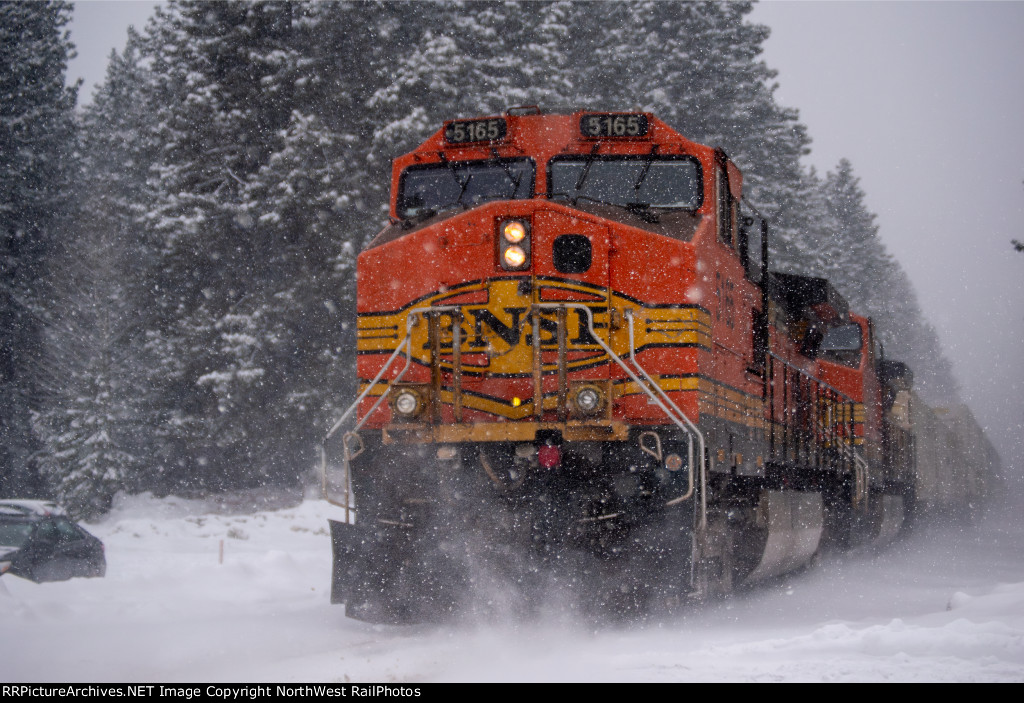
x=667, y=406
x=346, y=457
x=412, y=319
x=691, y=430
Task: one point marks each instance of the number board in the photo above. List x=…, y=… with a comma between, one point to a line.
x=465, y=131
x=614, y=125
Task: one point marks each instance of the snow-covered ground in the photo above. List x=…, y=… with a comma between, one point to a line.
x=948, y=606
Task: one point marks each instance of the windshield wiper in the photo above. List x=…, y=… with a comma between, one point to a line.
x=644, y=211
x=514, y=179
x=463, y=184
x=586, y=168
x=647, y=167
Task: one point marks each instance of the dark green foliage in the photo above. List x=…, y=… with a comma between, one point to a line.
x=37, y=147
x=94, y=420
x=221, y=88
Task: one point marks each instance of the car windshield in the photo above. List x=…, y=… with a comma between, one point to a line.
x=642, y=180
x=14, y=534
x=430, y=189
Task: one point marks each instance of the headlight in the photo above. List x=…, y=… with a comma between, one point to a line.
x=514, y=245
x=514, y=257
x=514, y=231
x=588, y=400
x=407, y=403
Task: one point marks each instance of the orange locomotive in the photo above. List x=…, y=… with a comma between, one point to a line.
x=576, y=370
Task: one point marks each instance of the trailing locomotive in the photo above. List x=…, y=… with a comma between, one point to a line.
x=577, y=371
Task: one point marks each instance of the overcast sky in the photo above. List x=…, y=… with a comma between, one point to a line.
x=926, y=100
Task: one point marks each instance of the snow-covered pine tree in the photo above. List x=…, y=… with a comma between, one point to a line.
x=804, y=248
x=468, y=58
x=95, y=424
x=847, y=244
x=86, y=427
x=845, y=247
x=222, y=93
x=37, y=133
x=349, y=53
x=697, y=65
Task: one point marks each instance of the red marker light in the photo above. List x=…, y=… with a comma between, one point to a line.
x=549, y=456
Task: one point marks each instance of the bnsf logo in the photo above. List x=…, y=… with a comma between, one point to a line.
x=498, y=336
x=486, y=328
x=496, y=330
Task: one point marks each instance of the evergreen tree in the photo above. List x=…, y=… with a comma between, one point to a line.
x=696, y=65
x=247, y=340
x=847, y=244
x=37, y=133
x=471, y=58
x=222, y=92
x=94, y=424
x=845, y=248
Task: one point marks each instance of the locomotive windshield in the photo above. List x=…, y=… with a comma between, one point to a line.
x=842, y=344
x=432, y=188
x=645, y=180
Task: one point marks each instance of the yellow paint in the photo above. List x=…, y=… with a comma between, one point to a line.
x=497, y=335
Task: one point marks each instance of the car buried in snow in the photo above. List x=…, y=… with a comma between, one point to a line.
x=40, y=543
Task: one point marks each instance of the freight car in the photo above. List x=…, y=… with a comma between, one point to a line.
x=956, y=465
x=578, y=373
